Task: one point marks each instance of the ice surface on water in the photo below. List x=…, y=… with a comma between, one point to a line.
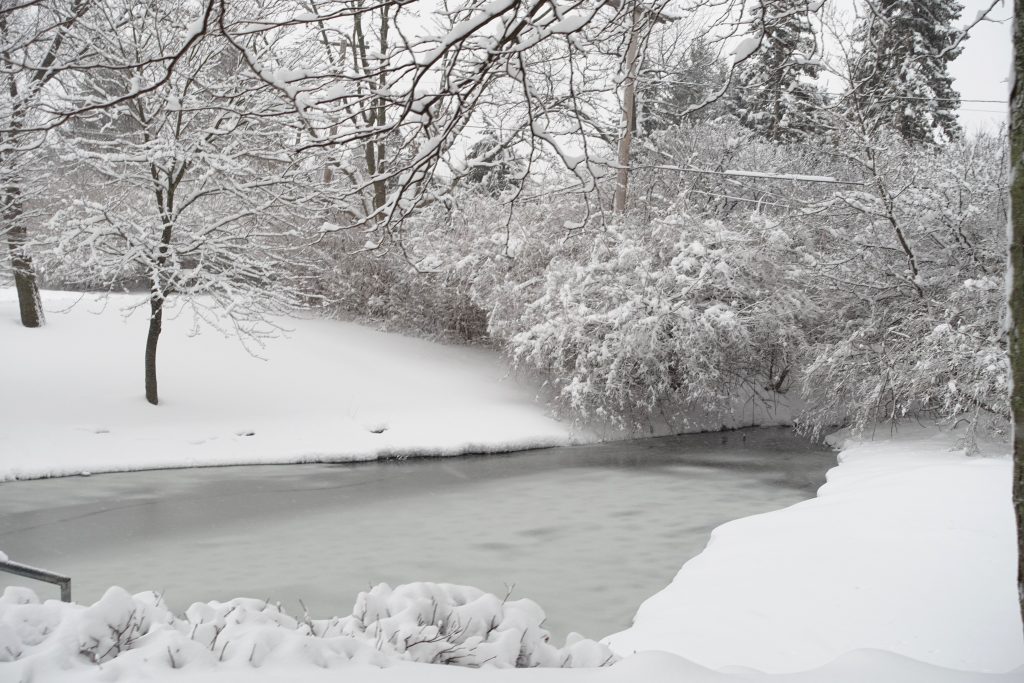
x=588, y=533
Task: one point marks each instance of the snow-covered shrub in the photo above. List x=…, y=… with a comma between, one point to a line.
x=384, y=286
x=914, y=274
x=430, y=623
x=906, y=267
x=448, y=624
x=453, y=265
x=878, y=300
x=661, y=320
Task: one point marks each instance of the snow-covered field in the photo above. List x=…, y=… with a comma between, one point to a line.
x=71, y=394
x=901, y=570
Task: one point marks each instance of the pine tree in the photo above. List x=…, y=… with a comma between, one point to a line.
x=494, y=167
x=900, y=78
x=775, y=93
x=672, y=89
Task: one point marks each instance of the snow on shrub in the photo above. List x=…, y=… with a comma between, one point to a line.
x=874, y=299
x=681, y=314
x=420, y=622
x=919, y=324
x=448, y=624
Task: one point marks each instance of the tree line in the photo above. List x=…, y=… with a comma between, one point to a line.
x=229, y=153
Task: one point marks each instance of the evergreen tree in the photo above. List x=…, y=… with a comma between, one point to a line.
x=900, y=77
x=672, y=89
x=775, y=93
x=493, y=166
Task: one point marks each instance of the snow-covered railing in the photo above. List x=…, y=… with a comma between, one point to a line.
x=39, y=575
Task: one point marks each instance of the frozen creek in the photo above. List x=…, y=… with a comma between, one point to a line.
x=587, y=532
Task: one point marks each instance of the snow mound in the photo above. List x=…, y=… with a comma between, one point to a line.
x=420, y=622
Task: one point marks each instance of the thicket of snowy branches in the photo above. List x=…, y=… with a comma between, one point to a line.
x=714, y=291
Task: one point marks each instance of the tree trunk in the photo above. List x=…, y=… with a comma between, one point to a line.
x=156, y=317
x=1016, y=296
x=29, y=303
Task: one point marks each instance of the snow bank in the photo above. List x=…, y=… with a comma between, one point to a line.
x=72, y=397
x=430, y=623
x=909, y=548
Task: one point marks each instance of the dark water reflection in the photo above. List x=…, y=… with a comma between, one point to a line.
x=588, y=532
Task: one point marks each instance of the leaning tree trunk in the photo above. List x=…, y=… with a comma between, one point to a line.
x=1016, y=296
x=156, y=318
x=25, y=283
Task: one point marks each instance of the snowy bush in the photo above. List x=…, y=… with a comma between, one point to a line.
x=915, y=275
x=678, y=316
x=386, y=288
x=454, y=267
x=877, y=300
x=423, y=622
x=448, y=624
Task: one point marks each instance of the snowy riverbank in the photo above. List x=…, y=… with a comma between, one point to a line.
x=909, y=548
x=71, y=395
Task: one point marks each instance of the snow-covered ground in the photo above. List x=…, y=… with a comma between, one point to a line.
x=910, y=548
x=71, y=394
x=901, y=570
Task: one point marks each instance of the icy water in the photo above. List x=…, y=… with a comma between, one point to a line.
x=587, y=532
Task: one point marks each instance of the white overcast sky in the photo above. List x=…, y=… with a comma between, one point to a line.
x=983, y=69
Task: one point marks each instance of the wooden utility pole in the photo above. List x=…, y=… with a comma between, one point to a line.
x=629, y=113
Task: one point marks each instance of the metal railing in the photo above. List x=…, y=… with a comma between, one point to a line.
x=39, y=575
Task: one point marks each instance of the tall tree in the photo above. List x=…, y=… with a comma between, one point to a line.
x=775, y=92
x=901, y=74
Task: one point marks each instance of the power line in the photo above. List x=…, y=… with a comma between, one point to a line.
x=838, y=94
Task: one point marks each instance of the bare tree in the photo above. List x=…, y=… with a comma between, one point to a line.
x=35, y=43
x=190, y=185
